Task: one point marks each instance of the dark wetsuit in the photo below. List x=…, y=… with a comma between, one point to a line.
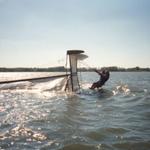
x=104, y=77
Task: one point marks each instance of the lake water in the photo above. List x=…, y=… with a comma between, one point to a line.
x=115, y=118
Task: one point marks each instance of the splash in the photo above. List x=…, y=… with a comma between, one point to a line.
x=24, y=132
x=38, y=86
x=121, y=89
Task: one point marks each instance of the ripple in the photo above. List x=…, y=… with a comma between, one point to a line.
x=145, y=145
x=96, y=136
x=78, y=147
x=116, y=130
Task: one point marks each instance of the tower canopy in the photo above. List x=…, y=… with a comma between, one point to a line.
x=69, y=52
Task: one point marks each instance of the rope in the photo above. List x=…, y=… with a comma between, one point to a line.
x=66, y=63
x=33, y=79
x=85, y=64
x=80, y=74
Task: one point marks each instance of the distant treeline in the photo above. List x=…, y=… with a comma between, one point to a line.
x=63, y=69
x=120, y=69
x=20, y=69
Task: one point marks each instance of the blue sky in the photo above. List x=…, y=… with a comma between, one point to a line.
x=37, y=33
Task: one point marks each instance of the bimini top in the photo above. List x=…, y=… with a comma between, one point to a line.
x=69, y=52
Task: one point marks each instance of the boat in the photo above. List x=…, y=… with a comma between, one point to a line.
x=70, y=82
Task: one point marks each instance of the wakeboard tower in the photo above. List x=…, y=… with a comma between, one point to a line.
x=72, y=84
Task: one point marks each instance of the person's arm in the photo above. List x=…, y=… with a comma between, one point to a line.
x=98, y=72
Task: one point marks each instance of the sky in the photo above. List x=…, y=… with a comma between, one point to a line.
x=37, y=33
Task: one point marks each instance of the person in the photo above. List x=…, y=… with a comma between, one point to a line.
x=104, y=76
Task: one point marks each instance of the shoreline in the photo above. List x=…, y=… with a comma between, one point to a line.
x=63, y=69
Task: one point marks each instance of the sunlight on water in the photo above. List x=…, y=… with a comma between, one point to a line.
x=34, y=115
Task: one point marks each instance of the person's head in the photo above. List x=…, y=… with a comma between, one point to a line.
x=105, y=71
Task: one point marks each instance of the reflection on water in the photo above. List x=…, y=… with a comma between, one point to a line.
x=116, y=117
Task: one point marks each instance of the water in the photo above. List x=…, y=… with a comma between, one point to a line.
x=115, y=118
